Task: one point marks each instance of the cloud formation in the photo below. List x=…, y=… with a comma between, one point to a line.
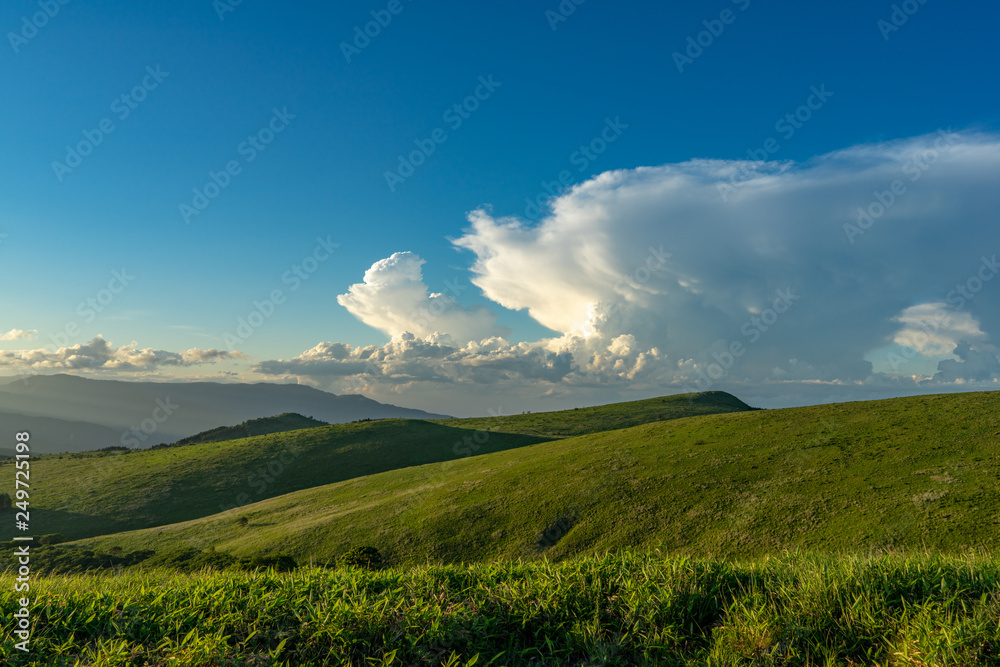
x=18, y=334
x=99, y=354
x=393, y=298
x=710, y=273
x=973, y=365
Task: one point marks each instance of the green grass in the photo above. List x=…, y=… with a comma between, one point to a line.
x=288, y=421
x=94, y=493
x=618, y=609
x=581, y=421
x=97, y=493
x=902, y=473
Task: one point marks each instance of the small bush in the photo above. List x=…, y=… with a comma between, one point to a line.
x=52, y=538
x=368, y=558
x=280, y=562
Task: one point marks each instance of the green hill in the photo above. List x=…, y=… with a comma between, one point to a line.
x=908, y=473
x=580, y=421
x=95, y=493
x=289, y=421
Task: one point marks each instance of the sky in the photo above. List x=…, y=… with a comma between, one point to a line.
x=504, y=207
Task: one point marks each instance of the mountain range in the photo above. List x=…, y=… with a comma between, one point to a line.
x=67, y=413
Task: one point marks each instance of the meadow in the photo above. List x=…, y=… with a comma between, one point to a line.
x=626, y=608
x=678, y=531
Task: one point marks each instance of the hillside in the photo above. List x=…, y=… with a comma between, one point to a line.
x=289, y=421
x=143, y=414
x=580, y=421
x=903, y=473
x=100, y=492
x=94, y=493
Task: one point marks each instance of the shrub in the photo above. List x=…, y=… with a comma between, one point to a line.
x=280, y=562
x=51, y=538
x=368, y=558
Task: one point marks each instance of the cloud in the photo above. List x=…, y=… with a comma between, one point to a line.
x=975, y=365
x=99, y=355
x=934, y=329
x=393, y=298
x=407, y=359
x=597, y=262
x=706, y=272
x=18, y=334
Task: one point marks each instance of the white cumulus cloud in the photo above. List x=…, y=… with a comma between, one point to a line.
x=393, y=298
x=18, y=334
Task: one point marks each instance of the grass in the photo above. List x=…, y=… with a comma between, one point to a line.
x=288, y=421
x=97, y=493
x=617, y=609
x=581, y=421
x=80, y=495
x=909, y=473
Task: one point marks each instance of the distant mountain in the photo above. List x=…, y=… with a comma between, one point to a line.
x=55, y=435
x=289, y=421
x=142, y=414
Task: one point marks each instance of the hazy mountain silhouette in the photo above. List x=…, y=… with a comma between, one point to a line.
x=142, y=414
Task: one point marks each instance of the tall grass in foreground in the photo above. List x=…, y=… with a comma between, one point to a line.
x=622, y=609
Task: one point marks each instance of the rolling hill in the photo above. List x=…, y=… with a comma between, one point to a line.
x=908, y=473
x=94, y=493
x=580, y=421
x=289, y=421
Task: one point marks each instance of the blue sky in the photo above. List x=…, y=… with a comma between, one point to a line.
x=881, y=78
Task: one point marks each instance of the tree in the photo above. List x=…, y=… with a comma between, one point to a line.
x=5, y=502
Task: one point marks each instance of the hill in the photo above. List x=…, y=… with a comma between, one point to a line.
x=94, y=493
x=289, y=421
x=903, y=473
x=100, y=492
x=143, y=414
x=580, y=421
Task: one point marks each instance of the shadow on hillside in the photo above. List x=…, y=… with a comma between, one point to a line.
x=71, y=525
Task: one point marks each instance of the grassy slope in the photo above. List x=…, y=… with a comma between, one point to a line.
x=95, y=493
x=98, y=493
x=909, y=472
x=625, y=609
x=581, y=421
x=288, y=421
